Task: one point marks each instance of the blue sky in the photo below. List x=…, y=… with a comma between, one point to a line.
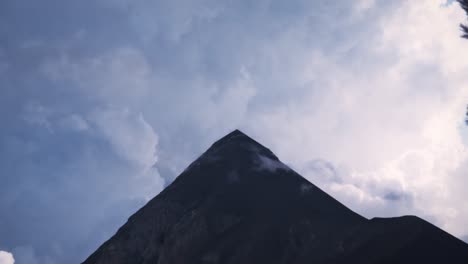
x=103, y=103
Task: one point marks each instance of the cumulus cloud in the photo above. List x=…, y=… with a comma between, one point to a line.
x=84, y=156
x=389, y=120
x=129, y=134
x=6, y=258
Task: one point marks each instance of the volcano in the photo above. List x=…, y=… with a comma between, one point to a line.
x=238, y=203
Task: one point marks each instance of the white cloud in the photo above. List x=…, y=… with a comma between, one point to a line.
x=383, y=102
x=6, y=258
x=267, y=163
x=129, y=134
x=133, y=139
x=388, y=117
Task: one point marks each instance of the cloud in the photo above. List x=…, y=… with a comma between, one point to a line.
x=364, y=98
x=363, y=5
x=173, y=25
x=74, y=122
x=388, y=118
x=84, y=156
x=269, y=164
x=129, y=134
x=120, y=76
x=6, y=258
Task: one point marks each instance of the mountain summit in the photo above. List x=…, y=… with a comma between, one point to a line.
x=238, y=203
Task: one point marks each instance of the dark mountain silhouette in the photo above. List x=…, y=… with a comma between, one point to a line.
x=237, y=203
x=464, y=5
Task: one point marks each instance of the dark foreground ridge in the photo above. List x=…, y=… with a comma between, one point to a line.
x=237, y=203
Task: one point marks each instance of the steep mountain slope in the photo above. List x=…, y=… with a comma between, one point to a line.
x=237, y=203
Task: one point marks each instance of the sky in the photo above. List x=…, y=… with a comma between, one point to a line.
x=103, y=103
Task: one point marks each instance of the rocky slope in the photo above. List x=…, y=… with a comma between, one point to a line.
x=237, y=203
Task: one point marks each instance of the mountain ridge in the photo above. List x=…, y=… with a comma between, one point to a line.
x=238, y=203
